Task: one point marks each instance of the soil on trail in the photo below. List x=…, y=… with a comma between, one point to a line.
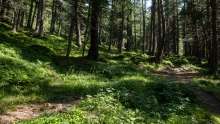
x=177, y=74
x=184, y=75
x=24, y=112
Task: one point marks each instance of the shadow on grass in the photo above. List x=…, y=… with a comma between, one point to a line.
x=157, y=98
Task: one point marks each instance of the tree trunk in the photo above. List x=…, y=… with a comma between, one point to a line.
x=174, y=35
x=112, y=26
x=144, y=26
x=215, y=50
x=208, y=25
x=177, y=29
x=22, y=18
x=198, y=45
x=35, y=10
x=86, y=31
x=153, y=27
x=100, y=28
x=53, y=18
x=162, y=39
x=30, y=15
x=184, y=30
x=93, y=50
x=70, y=38
x=38, y=16
x=41, y=28
x=15, y=14
x=78, y=32
x=60, y=19
x=129, y=31
x=18, y=20
x=135, y=29
x=120, y=44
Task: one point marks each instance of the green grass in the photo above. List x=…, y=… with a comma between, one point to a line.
x=113, y=89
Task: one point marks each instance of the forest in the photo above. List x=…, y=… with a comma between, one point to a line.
x=109, y=61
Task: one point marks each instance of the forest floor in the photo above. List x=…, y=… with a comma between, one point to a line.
x=24, y=112
x=171, y=74
x=184, y=75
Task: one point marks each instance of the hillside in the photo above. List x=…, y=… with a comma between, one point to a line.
x=118, y=88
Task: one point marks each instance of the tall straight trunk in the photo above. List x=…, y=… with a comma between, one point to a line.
x=184, y=30
x=120, y=45
x=177, y=28
x=60, y=19
x=93, y=50
x=30, y=14
x=162, y=39
x=41, y=28
x=100, y=27
x=78, y=32
x=22, y=18
x=135, y=29
x=204, y=44
x=112, y=26
x=209, y=42
x=86, y=30
x=38, y=16
x=129, y=31
x=144, y=26
x=15, y=18
x=53, y=18
x=151, y=33
x=153, y=27
x=197, y=39
x=33, y=17
x=18, y=20
x=70, y=38
x=215, y=50
x=174, y=35
x=159, y=24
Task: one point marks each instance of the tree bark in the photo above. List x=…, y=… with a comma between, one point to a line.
x=112, y=26
x=70, y=38
x=174, y=35
x=30, y=14
x=15, y=14
x=78, y=32
x=35, y=10
x=144, y=26
x=177, y=29
x=93, y=53
x=38, y=16
x=215, y=50
x=41, y=28
x=153, y=27
x=60, y=19
x=135, y=28
x=120, y=44
x=53, y=18
x=162, y=39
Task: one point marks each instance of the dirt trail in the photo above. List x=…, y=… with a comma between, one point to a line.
x=23, y=112
x=184, y=75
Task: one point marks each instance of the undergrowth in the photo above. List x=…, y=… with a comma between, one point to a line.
x=113, y=89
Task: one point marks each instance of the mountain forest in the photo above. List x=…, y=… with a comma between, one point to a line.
x=109, y=61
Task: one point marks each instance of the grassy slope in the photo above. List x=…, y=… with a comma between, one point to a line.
x=116, y=91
